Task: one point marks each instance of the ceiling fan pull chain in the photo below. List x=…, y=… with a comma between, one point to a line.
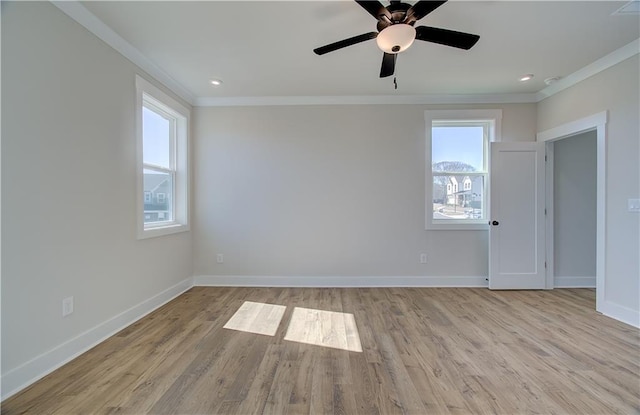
x=395, y=83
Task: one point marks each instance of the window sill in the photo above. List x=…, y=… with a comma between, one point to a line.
x=156, y=231
x=457, y=226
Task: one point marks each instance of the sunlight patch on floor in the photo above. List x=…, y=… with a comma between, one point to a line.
x=324, y=328
x=258, y=318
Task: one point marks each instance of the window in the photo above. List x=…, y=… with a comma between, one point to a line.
x=457, y=169
x=162, y=143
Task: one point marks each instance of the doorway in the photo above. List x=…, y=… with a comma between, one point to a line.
x=596, y=124
x=572, y=164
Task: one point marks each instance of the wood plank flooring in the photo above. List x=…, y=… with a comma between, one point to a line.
x=324, y=328
x=258, y=318
x=424, y=351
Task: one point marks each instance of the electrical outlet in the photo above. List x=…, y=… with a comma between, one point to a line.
x=423, y=258
x=67, y=306
x=220, y=258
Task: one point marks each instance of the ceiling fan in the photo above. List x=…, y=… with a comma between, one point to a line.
x=396, y=32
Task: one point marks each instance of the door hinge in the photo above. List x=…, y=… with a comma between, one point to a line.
x=545, y=264
x=545, y=158
x=545, y=211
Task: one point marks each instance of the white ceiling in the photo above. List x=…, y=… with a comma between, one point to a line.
x=264, y=48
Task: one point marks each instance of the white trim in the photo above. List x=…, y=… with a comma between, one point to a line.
x=574, y=282
x=573, y=128
x=549, y=216
x=24, y=375
x=620, y=313
x=84, y=17
x=147, y=92
x=336, y=281
x=601, y=217
x=607, y=61
x=596, y=122
x=367, y=100
x=161, y=230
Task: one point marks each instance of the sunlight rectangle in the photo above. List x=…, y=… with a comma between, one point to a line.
x=258, y=318
x=324, y=328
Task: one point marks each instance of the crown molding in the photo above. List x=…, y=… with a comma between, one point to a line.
x=607, y=61
x=84, y=17
x=366, y=100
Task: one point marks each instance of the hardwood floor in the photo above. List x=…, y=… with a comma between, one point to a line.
x=425, y=351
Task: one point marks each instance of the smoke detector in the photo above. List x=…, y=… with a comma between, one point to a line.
x=552, y=80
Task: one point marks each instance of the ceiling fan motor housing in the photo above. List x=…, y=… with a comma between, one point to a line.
x=393, y=14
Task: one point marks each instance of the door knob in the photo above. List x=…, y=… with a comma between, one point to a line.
x=495, y=223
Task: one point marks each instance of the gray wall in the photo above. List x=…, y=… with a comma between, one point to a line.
x=574, y=199
x=615, y=90
x=69, y=186
x=325, y=191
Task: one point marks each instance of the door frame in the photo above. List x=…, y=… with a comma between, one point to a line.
x=596, y=122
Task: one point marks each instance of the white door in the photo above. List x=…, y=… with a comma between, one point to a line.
x=516, y=225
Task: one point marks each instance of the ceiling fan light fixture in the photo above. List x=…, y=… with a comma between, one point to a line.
x=396, y=38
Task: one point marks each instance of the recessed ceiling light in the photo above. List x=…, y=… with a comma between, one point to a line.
x=215, y=82
x=526, y=77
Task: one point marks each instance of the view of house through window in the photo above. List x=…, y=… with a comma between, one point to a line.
x=459, y=170
x=162, y=142
x=158, y=153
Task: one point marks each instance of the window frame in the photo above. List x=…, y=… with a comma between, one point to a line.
x=490, y=117
x=148, y=95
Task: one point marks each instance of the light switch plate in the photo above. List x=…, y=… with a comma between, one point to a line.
x=634, y=205
x=67, y=306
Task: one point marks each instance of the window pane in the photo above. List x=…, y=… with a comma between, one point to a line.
x=158, y=196
x=457, y=148
x=156, y=138
x=458, y=197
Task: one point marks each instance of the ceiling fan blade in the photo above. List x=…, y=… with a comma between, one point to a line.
x=446, y=37
x=388, y=64
x=374, y=7
x=345, y=42
x=423, y=8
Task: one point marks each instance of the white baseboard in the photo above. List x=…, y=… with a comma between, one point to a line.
x=620, y=313
x=574, y=282
x=24, y=375
x=333, y=281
